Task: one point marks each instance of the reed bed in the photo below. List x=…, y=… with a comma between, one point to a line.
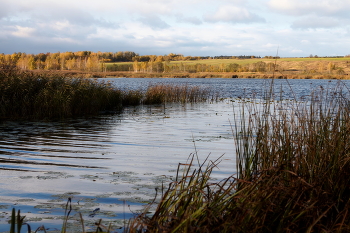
x=31, y=95
x=162, y=93
x=132, y=97
x=293, y=174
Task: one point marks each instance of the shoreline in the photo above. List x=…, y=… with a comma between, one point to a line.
x=244, y=75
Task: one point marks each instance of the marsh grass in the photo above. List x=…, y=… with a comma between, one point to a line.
x=293, y=174
x=132, y=97
x=29, y=95
x=35, y=95
x=162, y=93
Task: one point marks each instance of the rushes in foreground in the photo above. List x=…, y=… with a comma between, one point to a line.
x=293, y=175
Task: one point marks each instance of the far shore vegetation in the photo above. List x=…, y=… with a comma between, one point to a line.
x=131, y=64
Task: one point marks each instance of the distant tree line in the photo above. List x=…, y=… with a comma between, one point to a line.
x=99, y=61
x=82, y=60
x=167, y=67
x=236, y=57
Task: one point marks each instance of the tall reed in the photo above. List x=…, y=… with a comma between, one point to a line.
x=30, y=95
x=293, y=174
x=52, y=95
x=175, y=93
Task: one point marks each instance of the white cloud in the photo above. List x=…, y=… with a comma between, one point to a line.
x=190, y=19
x=154, y=22
x=4, y=9
x=338, y=8
x=23, y=32
x=271, y=46
x=297, y=51
x=61, y=25
x=313, y=21
x=232, y=14
x=192, y=27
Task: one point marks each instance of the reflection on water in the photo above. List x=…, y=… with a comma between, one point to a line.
x=228, y=88
x=63, y=144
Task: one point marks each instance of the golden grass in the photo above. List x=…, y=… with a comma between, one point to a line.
x=28, y=95
x=162, y=93
x=247, y=61
x=298, y=67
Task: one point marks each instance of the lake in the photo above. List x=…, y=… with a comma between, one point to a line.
x=110, y=165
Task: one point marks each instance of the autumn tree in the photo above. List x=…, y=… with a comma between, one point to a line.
x=31, y=63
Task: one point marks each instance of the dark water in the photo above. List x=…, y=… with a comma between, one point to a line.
x=232, y=88
x=114, y=162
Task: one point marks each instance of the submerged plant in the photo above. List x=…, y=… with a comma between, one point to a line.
x=17, y=222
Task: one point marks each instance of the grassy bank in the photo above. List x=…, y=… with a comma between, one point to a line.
x=297, y=68
x=293, y=167
x=248, y=75
x=251, y=61
x=46, y=95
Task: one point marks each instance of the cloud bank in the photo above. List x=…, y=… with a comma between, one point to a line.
x=191, y=27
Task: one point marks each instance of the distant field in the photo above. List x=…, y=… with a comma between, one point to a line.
x=318, y=68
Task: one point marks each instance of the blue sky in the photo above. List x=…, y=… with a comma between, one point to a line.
x=189, y=27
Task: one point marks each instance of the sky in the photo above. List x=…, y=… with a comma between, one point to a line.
x=289, y=28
